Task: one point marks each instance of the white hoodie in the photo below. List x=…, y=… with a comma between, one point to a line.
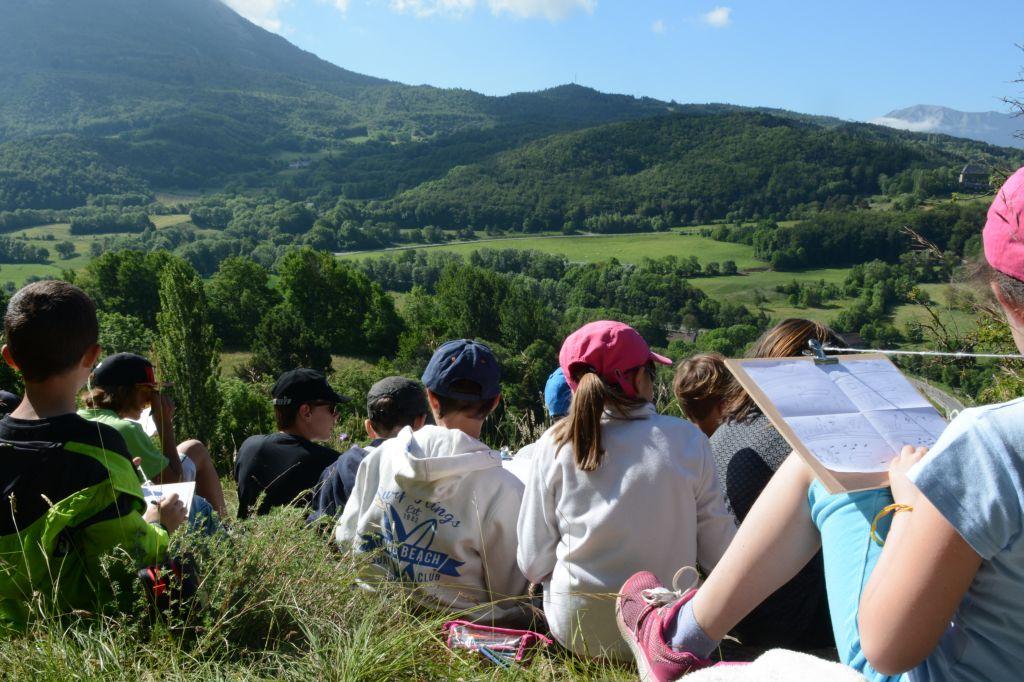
x=653, y=504
x=439, y=512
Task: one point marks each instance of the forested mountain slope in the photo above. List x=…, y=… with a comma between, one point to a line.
x=688, y=167
x=108, y=97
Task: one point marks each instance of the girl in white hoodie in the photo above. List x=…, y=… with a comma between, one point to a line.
x=615, y=487
x=435, y=509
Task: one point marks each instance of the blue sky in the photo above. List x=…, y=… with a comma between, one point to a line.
x=856, y=60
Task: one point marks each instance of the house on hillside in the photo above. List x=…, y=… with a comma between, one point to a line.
x=853, y=340
x=687, y=335
x=974, y=178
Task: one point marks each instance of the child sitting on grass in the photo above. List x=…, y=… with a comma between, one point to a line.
x=702, y=386
x=434, y=507
x=941, y=599
x=392, y=404
x=120, y=388
x=70, y=493
x=614, y=487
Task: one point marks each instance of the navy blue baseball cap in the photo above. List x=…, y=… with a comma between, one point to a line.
x=463, y=360
x=557, y=394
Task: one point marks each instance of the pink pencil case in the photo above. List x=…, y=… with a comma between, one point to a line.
x=502, y=646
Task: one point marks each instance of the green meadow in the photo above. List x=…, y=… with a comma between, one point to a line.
x=627, y=248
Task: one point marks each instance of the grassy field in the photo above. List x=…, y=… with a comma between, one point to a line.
x=956, y=319
x=47, y=237
x=757, y=289
x=628, y=248
x=231, y=361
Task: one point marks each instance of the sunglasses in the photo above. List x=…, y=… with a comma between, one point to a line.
x=331, y=407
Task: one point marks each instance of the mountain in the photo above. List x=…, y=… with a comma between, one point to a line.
x=688, y=167
x=188, y=94
x=126, y=97
x=111, y=66
x=986, y=126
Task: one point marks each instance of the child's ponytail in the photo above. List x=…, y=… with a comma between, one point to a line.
x=583, y=425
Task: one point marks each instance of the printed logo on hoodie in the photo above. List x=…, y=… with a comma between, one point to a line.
x=407, y=554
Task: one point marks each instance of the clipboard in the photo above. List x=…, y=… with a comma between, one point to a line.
x=802, y=407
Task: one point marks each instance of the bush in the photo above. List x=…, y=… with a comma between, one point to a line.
x=124, y=334
x=245, y=410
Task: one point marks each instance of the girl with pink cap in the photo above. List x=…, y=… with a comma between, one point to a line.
x=613, y=488
x=937, y=595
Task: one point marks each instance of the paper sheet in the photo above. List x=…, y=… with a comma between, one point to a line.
x=185, y=492
x=853, y=416
x=147, y=423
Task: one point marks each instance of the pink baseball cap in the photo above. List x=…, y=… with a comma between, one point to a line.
x=1004, y=229
x=612, y=349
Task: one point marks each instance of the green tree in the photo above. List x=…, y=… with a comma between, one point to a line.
x=338, y=303
x=188, y=350
x=245, y=409
x=65, y=249
x=284, y=341
x=240, y=295
x=123, y=334
x=126, y=282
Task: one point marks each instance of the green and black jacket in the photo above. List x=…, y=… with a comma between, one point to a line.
x=66, y=505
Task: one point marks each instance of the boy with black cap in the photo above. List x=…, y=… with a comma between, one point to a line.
x=284, y=467
x=391, y=404
x=70, y=493
x=120, y=388
x=435, y=509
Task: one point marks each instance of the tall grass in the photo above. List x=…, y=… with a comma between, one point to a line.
x=278, y=603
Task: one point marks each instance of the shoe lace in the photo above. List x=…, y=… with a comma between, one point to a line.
x=661, y=596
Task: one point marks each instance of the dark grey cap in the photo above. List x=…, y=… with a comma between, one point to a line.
x=408, y=399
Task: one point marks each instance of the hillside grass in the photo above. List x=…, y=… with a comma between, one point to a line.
x=232, y=361
x=278, y=603
x=47, y=236
x=627, y=248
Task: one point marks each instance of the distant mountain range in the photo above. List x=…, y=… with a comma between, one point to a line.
x=984, y=126
x=128, y=96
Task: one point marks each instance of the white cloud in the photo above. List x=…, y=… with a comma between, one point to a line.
x=658, y=26
x=261, y=12
x=719, y=17
x=428, y=8
x=925, y=125
x=342, y=5
x=552, y=10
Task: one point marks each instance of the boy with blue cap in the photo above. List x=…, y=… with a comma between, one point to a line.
x=434, y=508
x=557, y=398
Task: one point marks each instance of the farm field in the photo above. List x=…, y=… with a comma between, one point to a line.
x=233, y=360
x=47, y=236
x=960, y=321
x=628, y=248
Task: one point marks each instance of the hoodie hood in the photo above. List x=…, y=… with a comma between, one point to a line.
x=435, y=453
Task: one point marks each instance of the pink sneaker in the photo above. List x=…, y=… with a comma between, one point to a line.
x=643, y=608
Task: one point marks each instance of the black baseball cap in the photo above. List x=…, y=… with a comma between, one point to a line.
x=463, y=360
x=304, y=386
x=407, y=396
x=124, y=369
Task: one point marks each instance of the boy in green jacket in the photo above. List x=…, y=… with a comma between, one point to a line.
x=70, y=492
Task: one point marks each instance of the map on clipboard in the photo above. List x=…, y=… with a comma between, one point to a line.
x=848, y=419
